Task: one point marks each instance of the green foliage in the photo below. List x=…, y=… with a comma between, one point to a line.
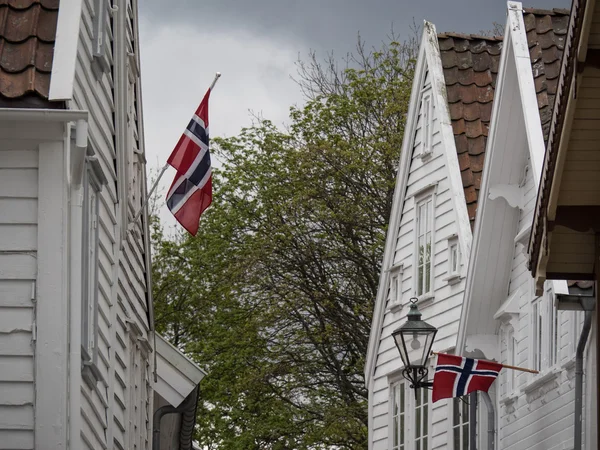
x=274, y=296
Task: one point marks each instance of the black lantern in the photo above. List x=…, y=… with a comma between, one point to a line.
x=414, y=340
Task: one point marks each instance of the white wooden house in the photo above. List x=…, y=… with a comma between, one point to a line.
x=429, y=235
x=503, y=318
x=76, y=325
x=451, y=106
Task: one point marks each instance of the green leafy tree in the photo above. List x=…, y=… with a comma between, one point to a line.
x=274, y=296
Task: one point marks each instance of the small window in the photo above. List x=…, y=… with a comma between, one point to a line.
x=89, y=336
x=398, y=416
x=395, y=299
x=100, y=35
x=424, y=241
x=454, y=261
x=511, y=350
x=460, y=423
x=422, y=420
x=427, y=125
x=544, y=319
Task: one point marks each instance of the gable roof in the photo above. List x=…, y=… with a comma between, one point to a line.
x=27, y=40
x=470, y=64
x=529, y=71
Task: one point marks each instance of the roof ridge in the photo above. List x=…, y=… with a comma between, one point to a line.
x=469, y=37
x=547, y=12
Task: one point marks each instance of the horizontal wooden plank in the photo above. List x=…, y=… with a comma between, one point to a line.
x=578, y=197
x=16, y=417
x=16, y=368
x=18, y=266
x=16, y=439
x=18, y=211
x=589, y=120
x=18, y=183
x=18, y=237
x=16, y=344
x=15, y=393
x=16, y=293
x=15, y=319
x=19, y=159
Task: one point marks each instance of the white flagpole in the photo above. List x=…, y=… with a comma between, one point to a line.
x=147, y=199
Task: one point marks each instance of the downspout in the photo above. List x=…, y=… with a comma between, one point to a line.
x=491, y=431
x=587, y=324
x=157, y=417
x=75, y=169
x=473, y=421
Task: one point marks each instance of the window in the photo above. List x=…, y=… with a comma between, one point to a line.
x=139, y=389
x=409, y=418
x=421, y=419
x=100, y=35
x=395, y=299
x=544, y=332
x=460, y=423
x=424, y=240
x=89, y=309
x=398, y=416
x=453, y=260
x=427, y=126
x=510, y=347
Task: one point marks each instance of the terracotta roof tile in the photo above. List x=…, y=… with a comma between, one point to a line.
x=27, y=36
x=470, y=64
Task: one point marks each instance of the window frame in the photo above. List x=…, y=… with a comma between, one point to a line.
x=89, y=273
x=545, y=336
x=99, y=35
x=454, y=404
x=400, y=389
x=454, y=261
x=424, y=198
x=427, y=122
x=396, y=273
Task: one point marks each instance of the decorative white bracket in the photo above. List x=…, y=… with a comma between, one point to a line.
x=512, y=193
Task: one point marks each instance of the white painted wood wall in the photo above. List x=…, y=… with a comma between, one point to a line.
x=18, y=273
x=444, y=310
x=539, y=414
x=108, y=415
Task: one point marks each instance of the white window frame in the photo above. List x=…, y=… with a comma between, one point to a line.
x=460, y=405
x=545, y=340
x=510, y=346
x=424, y=199
x=99, y=36
x=454, y=261
x=395, y=277
x=412, y=411
x=427, y=123
x=90, y=246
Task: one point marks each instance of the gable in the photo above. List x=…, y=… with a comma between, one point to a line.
x=27, y=40
x=425, y=169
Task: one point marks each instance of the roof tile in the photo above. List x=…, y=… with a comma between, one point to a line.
x=27, y=36
x=470, y=66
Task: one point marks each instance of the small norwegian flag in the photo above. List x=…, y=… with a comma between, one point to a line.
x=456, y=376
x=191, y=191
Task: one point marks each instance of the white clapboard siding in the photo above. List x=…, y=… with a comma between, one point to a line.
x=18, y=250
x=445, y=308
x=121, y=299
x=540, y=416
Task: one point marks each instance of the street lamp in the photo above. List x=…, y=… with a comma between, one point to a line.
x=415, y=338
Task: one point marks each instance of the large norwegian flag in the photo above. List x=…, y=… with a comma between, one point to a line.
x=191, y=191
x=456, y=376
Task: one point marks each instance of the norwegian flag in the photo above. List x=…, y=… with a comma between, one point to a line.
x=456, y=376
x=191, y=191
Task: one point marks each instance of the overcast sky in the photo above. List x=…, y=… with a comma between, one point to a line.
x=255, y=43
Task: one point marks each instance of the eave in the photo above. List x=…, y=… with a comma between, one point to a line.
x=567, y=209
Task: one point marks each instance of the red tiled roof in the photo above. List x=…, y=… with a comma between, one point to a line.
x=470, y=63
x=27, y=35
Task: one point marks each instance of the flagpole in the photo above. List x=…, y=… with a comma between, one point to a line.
x=217, y=76
x=506, y=366
x=147, y=199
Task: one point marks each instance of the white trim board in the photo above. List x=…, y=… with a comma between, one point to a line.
x=65, y=50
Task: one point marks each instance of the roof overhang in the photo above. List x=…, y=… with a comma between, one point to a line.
x=177, y=375
x=515, y=135
x=567, y=214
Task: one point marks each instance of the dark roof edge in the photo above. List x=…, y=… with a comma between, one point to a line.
x=188, y=419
